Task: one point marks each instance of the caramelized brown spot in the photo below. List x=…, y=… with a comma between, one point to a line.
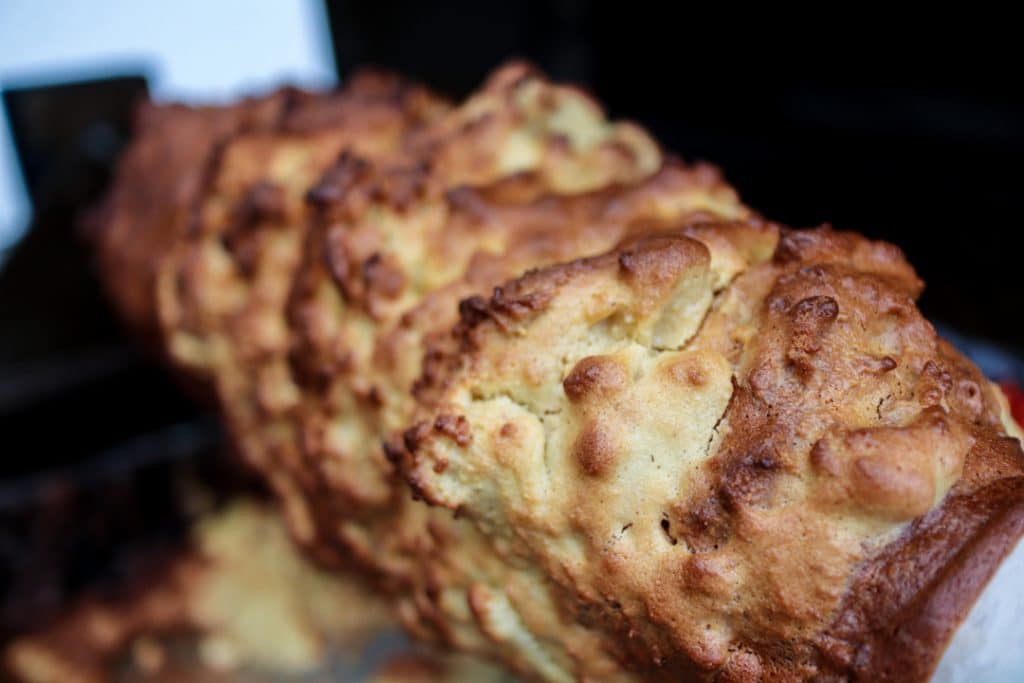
x=742, y=666
x=374, y=397
x=880, y=366
x=338, y=180
x=696, y=571
x=456, y=427
x=824, y=459
x=706, y=526
x=689, y=371
x=383, y=276
x=654, y=265
x=504, y=308
x=811, y=318
x=517, y=306
x=392, y=452
x=415, y=435
x=263, y=201
x=934, y=384
x=826, y=246
x=970, y=396
x=595, y=450
x=336, y=256
x=747, y=480
x=594, y=376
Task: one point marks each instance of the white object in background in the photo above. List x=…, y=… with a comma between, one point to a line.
x=191, y=50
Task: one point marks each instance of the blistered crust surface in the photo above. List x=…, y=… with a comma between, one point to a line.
x=720, y=449
x=222, y=291
x=326, y=247
x=395, y=246
x=475, y=199
x=710, y=486
x=156, y=184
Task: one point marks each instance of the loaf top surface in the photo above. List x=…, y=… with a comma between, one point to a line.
x=713, y=437
x=723, y=447
x=512, y=178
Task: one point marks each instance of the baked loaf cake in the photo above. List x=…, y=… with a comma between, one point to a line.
x=775, y=472
x=687, y=443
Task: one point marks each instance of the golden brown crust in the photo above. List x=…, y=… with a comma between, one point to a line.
x=440, y=225
x=222, y=293
x=903, y=607
x=160, y=176
x=711, y=452
x=155, y=186
x=396, y=246
x=222, y=290
x=842, y=420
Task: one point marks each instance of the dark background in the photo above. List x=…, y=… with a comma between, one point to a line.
x=909, y=129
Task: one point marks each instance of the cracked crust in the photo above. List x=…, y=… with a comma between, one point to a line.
x=736, y=495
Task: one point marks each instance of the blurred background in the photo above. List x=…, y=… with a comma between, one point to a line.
x=909, y=129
